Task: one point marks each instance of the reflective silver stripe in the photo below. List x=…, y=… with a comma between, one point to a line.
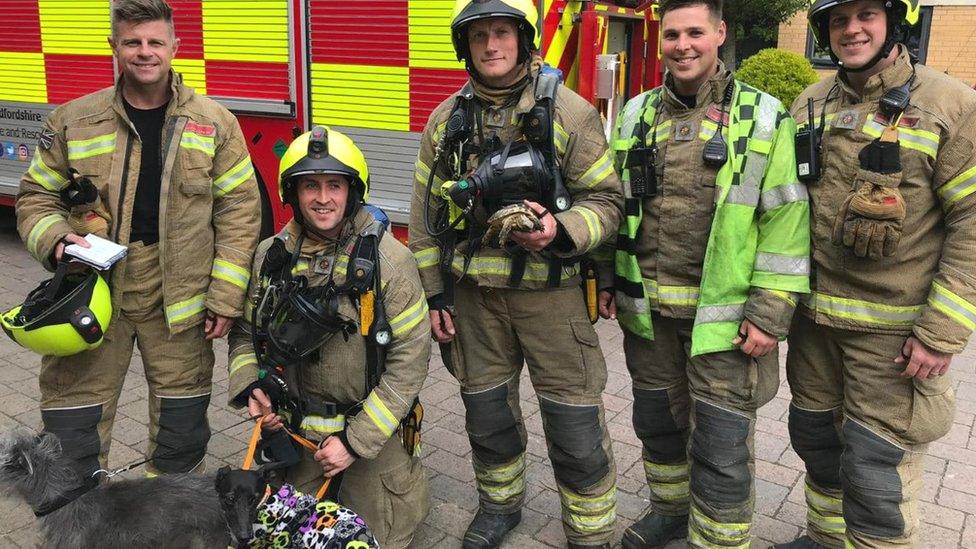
x=320, y=424
x=744, y=195
x=764, y=126
x=626, y=303
x=782, y=264
x=87, y=148
x=953, y=305
x=864, y=311
x=720, y=313
x=628, y=119
x=678, y=295
x=428, y=257
x=783, y=194
x=233, y=177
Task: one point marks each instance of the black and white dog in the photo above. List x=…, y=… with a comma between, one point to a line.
x=165, y=511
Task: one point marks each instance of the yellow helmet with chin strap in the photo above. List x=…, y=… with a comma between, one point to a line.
x=468, y=11
x=64, y=316
x=899, y=13
x=323, y=150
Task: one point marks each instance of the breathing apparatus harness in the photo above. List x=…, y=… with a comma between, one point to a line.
x=498, y=181
x=292, y=320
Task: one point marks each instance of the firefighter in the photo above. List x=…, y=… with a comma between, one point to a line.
x=709, y=263
x=175, y=181
x=511, y=140
x=892, y=198
x=335, y=340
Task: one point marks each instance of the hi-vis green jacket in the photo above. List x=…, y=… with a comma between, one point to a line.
x=339, y=372
x=209, y=210
x=587, y=169
x=928, y=287
x=757, y=252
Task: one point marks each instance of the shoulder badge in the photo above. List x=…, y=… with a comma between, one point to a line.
x=47, y=139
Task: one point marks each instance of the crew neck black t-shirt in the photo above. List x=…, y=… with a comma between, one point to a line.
x=689, y=101
x=145, y=211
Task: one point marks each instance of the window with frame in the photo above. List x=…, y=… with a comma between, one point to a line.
x=917, y=42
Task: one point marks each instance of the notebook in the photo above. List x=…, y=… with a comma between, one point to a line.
x=102, y=254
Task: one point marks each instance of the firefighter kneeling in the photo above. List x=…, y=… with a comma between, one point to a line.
x=335, y=343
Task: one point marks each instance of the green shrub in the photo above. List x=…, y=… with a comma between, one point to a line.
x=780, y=73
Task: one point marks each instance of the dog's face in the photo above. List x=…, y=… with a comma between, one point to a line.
x=240, y=492
x=24, y=454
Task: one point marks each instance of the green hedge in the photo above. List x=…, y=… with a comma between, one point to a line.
x=780, y=73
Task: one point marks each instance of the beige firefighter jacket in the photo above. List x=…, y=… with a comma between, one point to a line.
x=339, y=373
x=928, y=287
x=209, y=211
x=587, y=169
x=674, y=231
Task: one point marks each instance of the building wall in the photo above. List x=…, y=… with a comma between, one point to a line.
x=951, y=47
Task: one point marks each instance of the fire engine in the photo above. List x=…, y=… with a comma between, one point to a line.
x=373, y=69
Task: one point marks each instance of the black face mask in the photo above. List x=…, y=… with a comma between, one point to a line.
x=507, y=176
x=303, y=318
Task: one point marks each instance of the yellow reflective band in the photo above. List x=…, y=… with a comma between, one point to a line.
x=663, y=131
x=248, y=309
x=833, y=525
x=227, y=271
x=87, y=148
x=409, y=318
x=949, y=303
x=958, y=187
x=240, y=361
x=730, y=534
x=918, y=140
x=561, y=138
x=785, y=296
x=190, y=140
x=599, y=171
x=677, y=295
x=233, y=177
x=848, y=544
x=502, y=266
x=500, y=484
x=670, y=491
x=323, y=425
x=864, y=311
x=592, y=224
x=422, y=174
x=707, y=130
x=428, y=257
x=436, y=137
x=380, y=414
x=695, y=539
x=38, y=231
x=185, y=309
x=822, y=502
x=44, y=176
x=662, y=470
x=301, y=266
x=589, y=514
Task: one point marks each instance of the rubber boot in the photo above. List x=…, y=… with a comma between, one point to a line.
x=487, y=530
x=802, y=542
x=654, y=530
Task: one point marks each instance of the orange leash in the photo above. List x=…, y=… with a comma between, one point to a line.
x=252, y=447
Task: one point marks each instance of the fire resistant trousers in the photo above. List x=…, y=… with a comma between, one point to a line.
x=696, y=417
x=861, y=429
x=499, y=329
x=389, y=491
x=79, y=393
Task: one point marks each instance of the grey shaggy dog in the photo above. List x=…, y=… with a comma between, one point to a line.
x=165, y=511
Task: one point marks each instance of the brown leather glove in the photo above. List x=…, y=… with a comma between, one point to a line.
x=871, y=219
x=87, y=214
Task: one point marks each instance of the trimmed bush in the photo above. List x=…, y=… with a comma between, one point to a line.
x=780, y=73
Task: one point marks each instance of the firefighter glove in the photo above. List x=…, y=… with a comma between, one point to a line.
x=870, y=222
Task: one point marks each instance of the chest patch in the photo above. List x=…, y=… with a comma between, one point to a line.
x=200, y=129
x=715, y=114
x=846, y=120
x=685, y=131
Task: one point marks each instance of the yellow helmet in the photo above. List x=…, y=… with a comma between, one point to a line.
x=323, y=150
x=466, y=11
x=65, y=315
x=899, y=12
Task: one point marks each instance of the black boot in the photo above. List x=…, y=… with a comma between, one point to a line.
x=802, y=542
x=654, y=530
x=487, y=530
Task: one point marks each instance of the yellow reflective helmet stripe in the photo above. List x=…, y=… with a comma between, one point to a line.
x=45, y=176
x=380, y=414
x=86, y=148
x=227, y=271
x=232, y=178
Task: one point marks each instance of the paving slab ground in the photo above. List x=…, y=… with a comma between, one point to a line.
x=947, y=508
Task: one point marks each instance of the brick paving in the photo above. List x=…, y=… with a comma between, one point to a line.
x=948, y=500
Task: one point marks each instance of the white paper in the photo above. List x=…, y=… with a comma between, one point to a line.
x=102, y=254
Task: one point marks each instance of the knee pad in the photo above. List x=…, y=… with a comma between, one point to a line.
x=872, y=487
x=575, y=443
x=656, y=427
x=492, y=426
x=77, y=429
x=816, y=441
x=183, y=434
x=720, y=456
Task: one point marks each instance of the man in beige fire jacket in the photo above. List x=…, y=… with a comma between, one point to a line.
x=493, y=309
x=894, y=233
x=346, y=322
x=709, y=263
x=175, y=184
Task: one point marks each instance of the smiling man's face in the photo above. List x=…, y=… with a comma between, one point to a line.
x=857, y=31
x=144, y=52
x=690, y=38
